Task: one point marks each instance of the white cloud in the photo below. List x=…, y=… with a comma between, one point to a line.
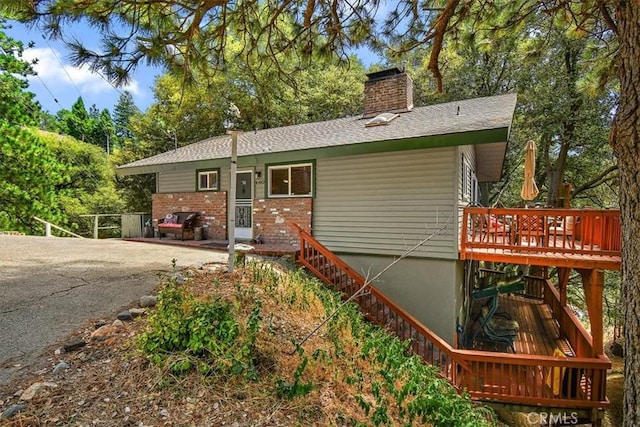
x=53, y=74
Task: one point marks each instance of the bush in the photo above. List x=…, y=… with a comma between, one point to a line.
x=186, y=332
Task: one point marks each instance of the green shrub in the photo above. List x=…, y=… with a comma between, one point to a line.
x=187, y=332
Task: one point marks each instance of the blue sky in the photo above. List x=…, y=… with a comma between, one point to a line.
x=58, y=80
x=59, y=84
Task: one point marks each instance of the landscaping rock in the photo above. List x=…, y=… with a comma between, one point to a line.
x=13, y=410
x=103, y=332
x=60, y=367
x=125, y=316
x=118, y=323
x=74, y=345
x=148, y=300
x=137, y=312
x=35, y=389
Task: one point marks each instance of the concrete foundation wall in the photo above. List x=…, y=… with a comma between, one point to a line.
x=426, y=288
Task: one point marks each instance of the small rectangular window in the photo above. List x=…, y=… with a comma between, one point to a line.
x=290, y=180
x=466, y=179
x=207, y=180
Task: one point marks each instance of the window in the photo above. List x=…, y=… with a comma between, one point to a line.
x=467, y=180
x=208, y=180
x=290, y=180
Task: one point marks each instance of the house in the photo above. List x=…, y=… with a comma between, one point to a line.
x=367, y=187
x=355, y=193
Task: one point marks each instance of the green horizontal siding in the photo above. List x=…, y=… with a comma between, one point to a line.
x=385, y=203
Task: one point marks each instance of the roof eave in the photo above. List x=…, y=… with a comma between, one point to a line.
x=475, y=137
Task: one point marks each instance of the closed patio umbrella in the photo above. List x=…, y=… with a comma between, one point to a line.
x=529, y=188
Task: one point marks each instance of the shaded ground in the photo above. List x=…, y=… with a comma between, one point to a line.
x=51, y=286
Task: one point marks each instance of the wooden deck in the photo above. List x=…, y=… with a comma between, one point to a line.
x=533, y=376
x=539, y=332
x=545, y=259
x=572, y=238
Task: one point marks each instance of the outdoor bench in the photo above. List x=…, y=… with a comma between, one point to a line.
x=177, y=223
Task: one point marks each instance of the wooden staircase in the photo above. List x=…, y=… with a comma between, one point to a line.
x=380, y=310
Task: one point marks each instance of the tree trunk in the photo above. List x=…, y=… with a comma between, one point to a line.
x=625, y=138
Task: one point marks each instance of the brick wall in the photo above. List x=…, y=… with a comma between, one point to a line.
x=211, y=205
x=272, y=219
x=388, y=94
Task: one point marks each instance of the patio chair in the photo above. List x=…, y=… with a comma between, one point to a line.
x=496, y=229
x=490, y=228
x=532, y=227
x=562, y=229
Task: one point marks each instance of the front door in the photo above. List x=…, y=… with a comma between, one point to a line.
x=244, y=205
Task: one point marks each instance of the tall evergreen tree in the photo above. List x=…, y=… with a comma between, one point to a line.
x=122, y=113
x=75, y=122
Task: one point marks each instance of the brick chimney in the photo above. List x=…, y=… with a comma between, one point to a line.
x=387, y=91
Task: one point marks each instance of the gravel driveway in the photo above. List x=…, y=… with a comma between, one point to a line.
x=50, y=286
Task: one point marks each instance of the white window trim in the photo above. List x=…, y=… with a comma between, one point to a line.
x=467, y=178
x=288, y=167
x=217, y=187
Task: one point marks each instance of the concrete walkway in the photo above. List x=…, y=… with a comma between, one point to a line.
x=50, y=286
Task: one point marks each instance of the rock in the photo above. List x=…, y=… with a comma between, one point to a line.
x=60, y=367
x=148, y=300
x=164, y=413
x=58, y=351
x=74, y=345
x=125, y=316
x=103, y=332
x=13, y=410
x=117, y=323
x=137, y=312
x=180, y=279
x=35, y=388
x=99, y=323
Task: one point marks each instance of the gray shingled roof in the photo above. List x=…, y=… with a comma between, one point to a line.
x=441, y=119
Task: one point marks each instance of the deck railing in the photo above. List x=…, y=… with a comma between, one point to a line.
x=48, y=226
x=570, y=326
x=568, y=231
x=96, y=222
x=536, y=380
x=511, y=378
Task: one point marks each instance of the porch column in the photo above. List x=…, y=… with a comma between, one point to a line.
x=593, y=283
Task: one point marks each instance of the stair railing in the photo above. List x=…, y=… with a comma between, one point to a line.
x=48, y=226
x=380, y=310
